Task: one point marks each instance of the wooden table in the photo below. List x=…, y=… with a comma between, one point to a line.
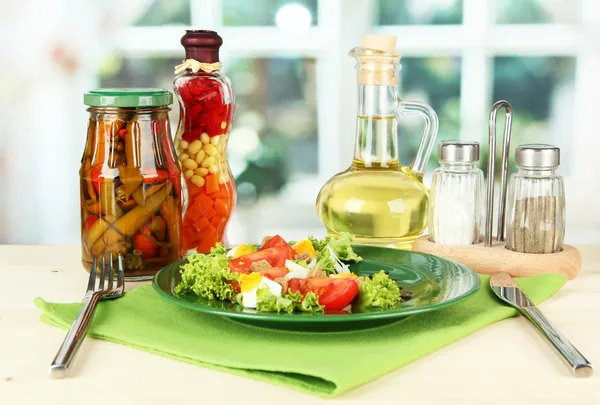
x=504, y=363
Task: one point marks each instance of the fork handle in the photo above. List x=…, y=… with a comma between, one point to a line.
x=580, y=367
x=60, y=365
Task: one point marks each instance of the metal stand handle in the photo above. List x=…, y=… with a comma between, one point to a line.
x=491, y=171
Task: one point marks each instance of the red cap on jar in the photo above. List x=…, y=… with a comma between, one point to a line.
x=202, y=45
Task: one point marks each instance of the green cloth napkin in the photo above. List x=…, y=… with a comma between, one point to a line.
x=317, y=363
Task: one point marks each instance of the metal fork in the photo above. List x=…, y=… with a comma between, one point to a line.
x=94, y=294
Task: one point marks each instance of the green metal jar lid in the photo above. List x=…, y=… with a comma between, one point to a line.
x=128, y=97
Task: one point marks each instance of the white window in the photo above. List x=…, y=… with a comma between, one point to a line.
x=295, y=86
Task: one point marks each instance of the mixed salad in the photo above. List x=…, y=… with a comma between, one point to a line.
x=311, y=275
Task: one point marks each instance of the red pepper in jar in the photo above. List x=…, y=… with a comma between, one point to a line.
x=96, y=177
x=90, y=221
x=142, y=242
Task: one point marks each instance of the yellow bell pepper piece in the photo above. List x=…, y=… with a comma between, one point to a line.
x=305, y=246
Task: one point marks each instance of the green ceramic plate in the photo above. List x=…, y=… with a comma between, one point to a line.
x=434, y=281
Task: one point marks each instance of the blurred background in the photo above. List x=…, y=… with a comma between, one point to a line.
x=295, y=88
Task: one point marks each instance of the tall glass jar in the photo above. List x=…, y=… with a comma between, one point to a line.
x=456, y=197
x=130, y=181
x=207, y=107
x=535, y=221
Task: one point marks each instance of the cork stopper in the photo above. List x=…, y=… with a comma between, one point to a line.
x=378, y=61
x=383, y=43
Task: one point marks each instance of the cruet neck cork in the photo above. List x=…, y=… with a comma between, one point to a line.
x=202, y=45
x=382, y=43
x=377, y=60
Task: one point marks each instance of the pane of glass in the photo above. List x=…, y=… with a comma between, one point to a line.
x=119, y=71
x=285, y=14
x=537, y=11
x=274, y=134
x=541, y=92
x=165, y=12
x=414, y=12
x=436, y=81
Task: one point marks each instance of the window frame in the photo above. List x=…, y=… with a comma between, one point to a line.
x=477, y=40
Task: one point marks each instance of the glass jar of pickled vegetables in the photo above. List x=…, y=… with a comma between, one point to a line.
x=207, y=107
x=130, y=181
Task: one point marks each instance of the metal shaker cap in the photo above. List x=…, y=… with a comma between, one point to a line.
x=537, y=156
x=458, y=152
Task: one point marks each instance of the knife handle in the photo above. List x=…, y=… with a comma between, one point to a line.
x=580, y=367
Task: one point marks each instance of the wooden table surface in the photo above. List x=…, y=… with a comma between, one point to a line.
x=507, y=362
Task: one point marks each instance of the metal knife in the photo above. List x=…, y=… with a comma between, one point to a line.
x=508, y=291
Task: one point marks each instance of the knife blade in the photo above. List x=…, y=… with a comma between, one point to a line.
x=508, y=291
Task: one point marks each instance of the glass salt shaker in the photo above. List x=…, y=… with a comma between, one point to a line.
x=536, y=201
x=456, y=197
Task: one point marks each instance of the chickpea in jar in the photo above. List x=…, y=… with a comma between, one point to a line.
x=130, y=181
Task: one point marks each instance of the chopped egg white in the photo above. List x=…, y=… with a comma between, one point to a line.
x=296, y=271
x=249, y=295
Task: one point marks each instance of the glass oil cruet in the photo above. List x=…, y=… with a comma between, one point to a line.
x=377, y=199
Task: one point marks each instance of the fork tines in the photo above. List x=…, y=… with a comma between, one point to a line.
x=107, y=270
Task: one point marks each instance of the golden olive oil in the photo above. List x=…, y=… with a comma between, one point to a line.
x=376, y=199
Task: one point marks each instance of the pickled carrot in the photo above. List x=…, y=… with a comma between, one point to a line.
x=208, y=212
x=212, y=183
x=203, y=200
x=222, y=207
x=201, y=224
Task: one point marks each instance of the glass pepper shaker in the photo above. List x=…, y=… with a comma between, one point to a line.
x=207, y=106
x=536, y=201
x=456, y=197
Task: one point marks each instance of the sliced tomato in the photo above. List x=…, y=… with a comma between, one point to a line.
x=275, y=256
x=278, y=241
x=300, y=285
x=334, y=293
x=274, y=272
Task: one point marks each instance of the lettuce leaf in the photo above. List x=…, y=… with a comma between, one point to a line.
x=379, y=291
x=326, y=262
x=207, y=275
x=252, y=246
x=310, y=303
x=319, y=244
x=334, y=249
x=342, y=246
x=267, y=302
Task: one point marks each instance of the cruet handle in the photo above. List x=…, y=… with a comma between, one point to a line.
x=430, y=131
